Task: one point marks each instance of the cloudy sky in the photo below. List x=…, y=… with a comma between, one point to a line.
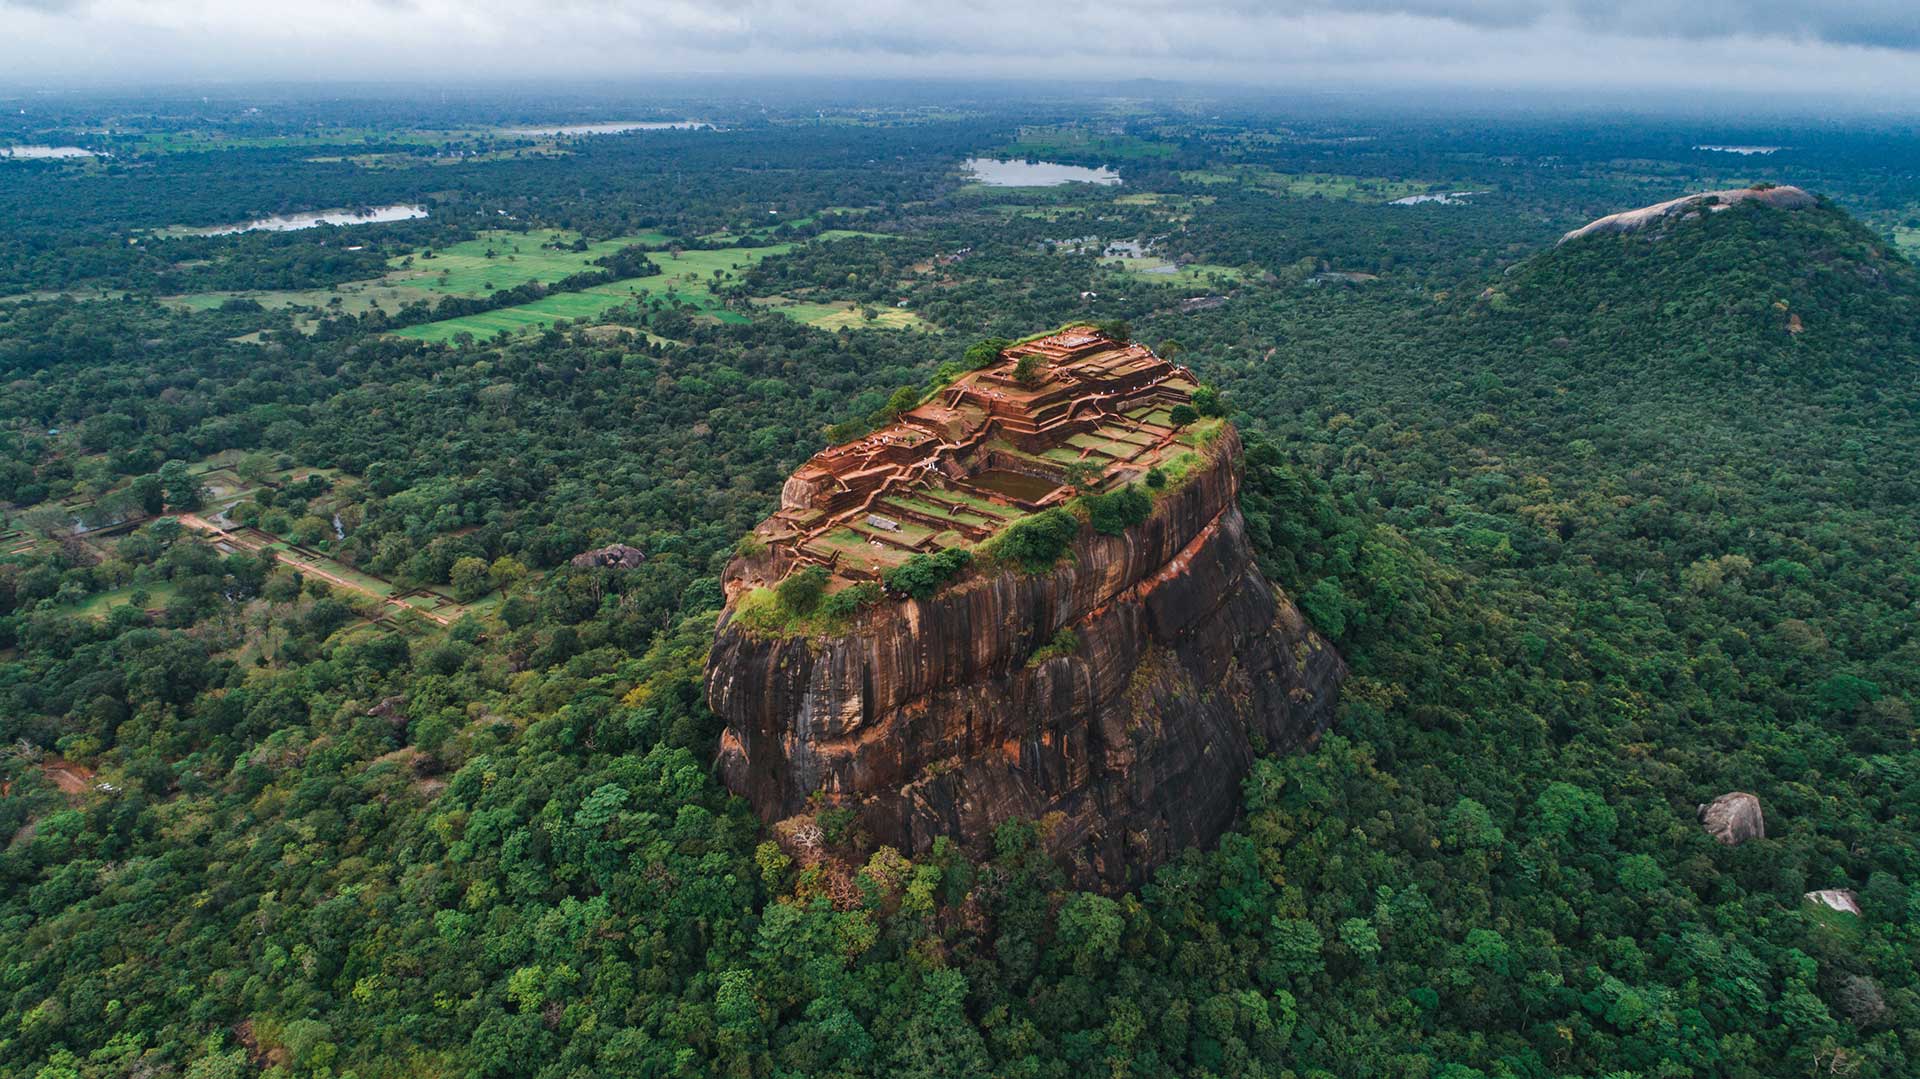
x=1857, y=48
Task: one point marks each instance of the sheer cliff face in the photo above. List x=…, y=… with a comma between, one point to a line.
x=929, y=719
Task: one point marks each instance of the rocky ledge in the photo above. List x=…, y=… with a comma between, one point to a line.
x=936, y=717
x=1688, y=207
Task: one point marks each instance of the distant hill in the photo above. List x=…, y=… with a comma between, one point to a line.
x=1688, y=207
x=1776, y=279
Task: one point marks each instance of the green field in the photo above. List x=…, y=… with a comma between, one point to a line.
x=839, y=314
x=522, y=256
x=518, y=258
x=98, y=606
x=1163, y=199
x=536, y=315
x=688, y=279
x=351, y=298
x=1906, y=239
x=1307, y=185
x=460, y=270
x=1026, y=210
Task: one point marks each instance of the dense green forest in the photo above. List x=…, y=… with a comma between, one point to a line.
x=1605, y=530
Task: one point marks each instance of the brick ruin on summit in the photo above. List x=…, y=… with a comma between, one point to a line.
x=983, y=452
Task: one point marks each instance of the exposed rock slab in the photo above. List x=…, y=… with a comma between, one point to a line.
x=929, y=721
x=1840, y=899
x=1780, y=198
x=1734, y=818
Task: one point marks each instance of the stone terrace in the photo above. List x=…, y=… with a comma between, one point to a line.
x=983, y=452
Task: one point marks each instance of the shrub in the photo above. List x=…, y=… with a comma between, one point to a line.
x=836, y=824
x=1113, y=513
x=984, y=353
x=1181, y=415
x=923, y=574
x=800, y=592
x=1026, y=370
x=1082, y=475
x=1064, y=643
x=1156, y=478
x=903, y=399
x=848, y=601
x=1036, y=543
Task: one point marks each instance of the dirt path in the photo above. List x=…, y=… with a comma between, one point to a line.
x=304, y=565
x=71, y=778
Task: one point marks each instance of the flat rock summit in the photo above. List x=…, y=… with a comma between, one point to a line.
x=1116, y=697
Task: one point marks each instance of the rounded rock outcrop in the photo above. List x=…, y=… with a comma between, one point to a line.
x=1734, y=818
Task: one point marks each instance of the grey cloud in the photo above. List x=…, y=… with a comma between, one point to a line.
x=1752, y=44
x=1892, y=24
x=1881, y=23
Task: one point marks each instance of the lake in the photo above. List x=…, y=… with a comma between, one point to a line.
x=379, y=215
x=43, y=152
x=1451, y=198
x=613, y=127
x=1035, y=173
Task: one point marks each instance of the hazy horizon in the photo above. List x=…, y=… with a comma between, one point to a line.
x=1866, y=51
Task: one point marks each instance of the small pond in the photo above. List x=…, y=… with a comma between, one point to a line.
x=1017, y=486
x=379, y=215
x=43, y=152
x=1036, y=173
x=1450, y=198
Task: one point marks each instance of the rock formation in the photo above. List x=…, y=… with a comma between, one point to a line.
x=1660, y=213
x=614, y=556
x=1127, y=735
x=1840, y=899
x=1734, y=818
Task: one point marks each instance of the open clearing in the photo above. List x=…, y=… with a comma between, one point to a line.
x=101, y=604
x=839, y=314
x=524, y=256
x=1163, y=272
x=542, y=255
x=688, y=279
x=1307, y=185
x=460, y=270
x=352, y=298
